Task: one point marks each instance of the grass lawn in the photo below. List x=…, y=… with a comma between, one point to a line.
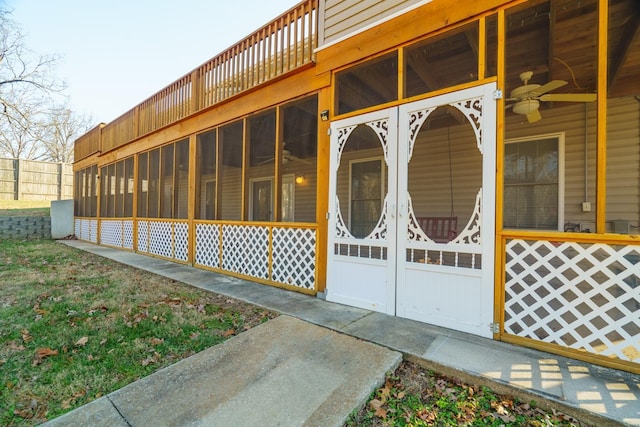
x=24, y=207
x=75, y=326
x=414, y=396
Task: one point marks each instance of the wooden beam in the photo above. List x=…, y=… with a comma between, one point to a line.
x=601, y=142
x=417, y=23
x=422, y=72
x=619, y=56
x=552, y=31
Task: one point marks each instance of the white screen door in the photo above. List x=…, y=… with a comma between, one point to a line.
x=423, y=249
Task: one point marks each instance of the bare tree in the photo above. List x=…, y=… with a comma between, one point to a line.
x=19, y=129
x=62, y=128
x=27, y=82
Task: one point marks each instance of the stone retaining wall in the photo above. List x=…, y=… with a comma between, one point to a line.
x=25, y=227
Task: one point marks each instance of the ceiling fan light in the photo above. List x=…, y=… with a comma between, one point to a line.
x=526, y=106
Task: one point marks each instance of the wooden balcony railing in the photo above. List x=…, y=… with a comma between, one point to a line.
x=284, y=44
x=88, y=144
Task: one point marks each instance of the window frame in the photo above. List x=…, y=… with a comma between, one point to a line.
x=560, y=138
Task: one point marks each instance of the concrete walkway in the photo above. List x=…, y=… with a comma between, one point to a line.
x=320, y=361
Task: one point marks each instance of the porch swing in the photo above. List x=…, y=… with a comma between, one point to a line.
x=442, y=229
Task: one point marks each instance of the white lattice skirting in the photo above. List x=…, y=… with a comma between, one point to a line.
x=294, y=256
x=208, y=245
x=168, y=239
x=581, y=296
x=246, y=250
x=116, y=232
x=86, y=229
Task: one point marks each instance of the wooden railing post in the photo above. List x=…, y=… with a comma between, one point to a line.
x=196, y=91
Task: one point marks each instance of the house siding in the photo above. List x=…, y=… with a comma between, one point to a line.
x=342, y=18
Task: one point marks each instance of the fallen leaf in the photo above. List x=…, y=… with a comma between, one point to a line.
x=26, y=336
x=23, y=414
x=381, y=413
x=426, y=415
x=41, y=353
x=385, y=392
x=194, y=335
x=147, y=361
x=16, y=347
x=375, y=403
x=157, y=341
x=228, y=333
x=101, y=308
x=82, y=341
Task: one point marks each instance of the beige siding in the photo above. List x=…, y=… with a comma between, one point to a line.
x=578, y=122
x=341, y=18
x=230, y=187
x=623, y=161
x=304, y=193
x=433, y=181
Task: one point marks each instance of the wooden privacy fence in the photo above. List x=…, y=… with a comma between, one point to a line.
x=35, y=180
x=283, y=45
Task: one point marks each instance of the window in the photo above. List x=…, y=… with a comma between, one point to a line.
x=288, y=198
x=260, y=199
x=533, y=190
x=143, y=184
x=366, y=193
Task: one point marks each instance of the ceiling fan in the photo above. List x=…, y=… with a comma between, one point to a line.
x=527, y=97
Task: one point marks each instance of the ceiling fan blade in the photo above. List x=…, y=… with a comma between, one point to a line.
x=570, y=97
x=269, y=160
x=534, y=116
x=293, y=158
x=548, y=87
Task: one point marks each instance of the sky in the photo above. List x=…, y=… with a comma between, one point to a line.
x=117, y=53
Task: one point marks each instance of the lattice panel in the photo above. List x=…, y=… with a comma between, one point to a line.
x=208, y=245
x=127, y=234
x=582, y=296
x=77, y=229
x=245, y=250
x=111, y=232
x=143, y=236
x=93, y=230
x=181, y=238
x=160, y=239
x=294, y=256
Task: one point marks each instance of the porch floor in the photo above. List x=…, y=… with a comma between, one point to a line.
x=594, y=394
